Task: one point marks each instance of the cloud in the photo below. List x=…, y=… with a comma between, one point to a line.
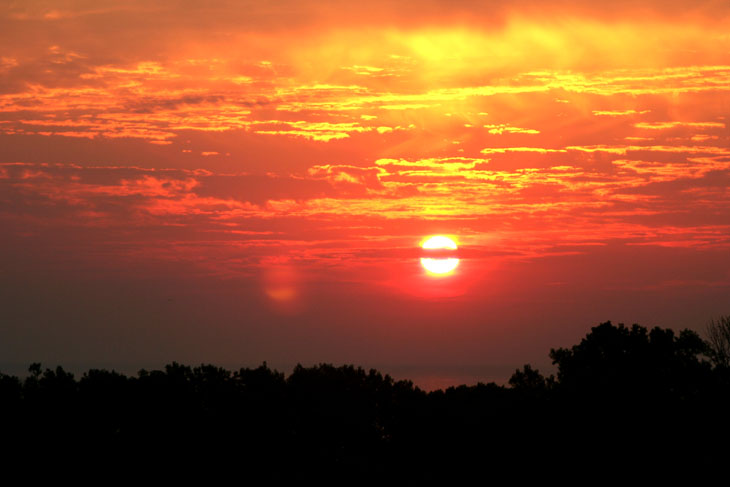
x=503, y=150
x=671, y=125
x=499, y=129
x=147, y=102
x=618, y=113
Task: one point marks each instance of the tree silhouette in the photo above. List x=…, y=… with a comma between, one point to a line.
x=653, y=392
x=718, y=337
x=529, y=379
x=618, y=361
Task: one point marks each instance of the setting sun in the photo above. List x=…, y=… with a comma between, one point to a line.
x=441, y=265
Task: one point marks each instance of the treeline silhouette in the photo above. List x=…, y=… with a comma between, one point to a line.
x=624, y=399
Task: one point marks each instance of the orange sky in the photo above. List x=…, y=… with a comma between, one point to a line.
x=251, y=181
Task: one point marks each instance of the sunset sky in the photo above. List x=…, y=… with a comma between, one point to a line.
x=253, y=180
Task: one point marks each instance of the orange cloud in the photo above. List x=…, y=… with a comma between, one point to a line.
x=290, y=124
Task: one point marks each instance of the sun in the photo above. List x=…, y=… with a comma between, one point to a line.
x=439, y=266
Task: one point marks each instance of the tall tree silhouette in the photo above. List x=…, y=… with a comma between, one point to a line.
x=718, y=337
x=617, y=361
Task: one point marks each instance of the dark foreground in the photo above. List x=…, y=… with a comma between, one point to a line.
x=624, y=400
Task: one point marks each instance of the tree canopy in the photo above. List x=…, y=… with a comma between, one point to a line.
x=661, y=395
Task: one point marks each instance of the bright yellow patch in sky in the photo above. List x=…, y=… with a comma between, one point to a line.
x=443, y=266
x=439, y=242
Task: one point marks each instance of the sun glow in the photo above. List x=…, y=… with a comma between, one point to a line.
x=439, y=266
x=439, y=242
x=443, y=265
